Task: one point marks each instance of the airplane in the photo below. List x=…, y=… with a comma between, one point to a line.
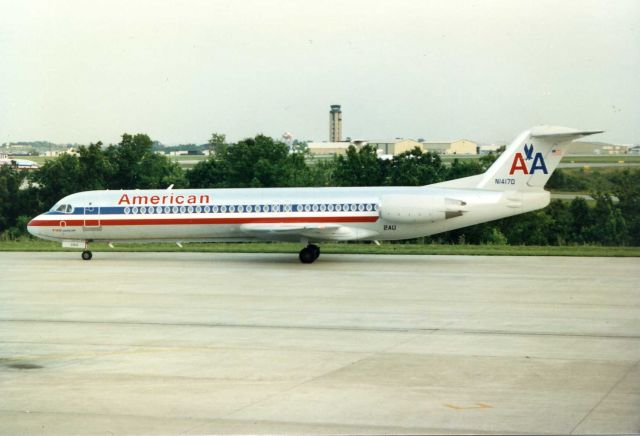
x=514, y=184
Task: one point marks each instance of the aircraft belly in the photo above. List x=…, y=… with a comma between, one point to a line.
x=215, y=231
x=170, y=231
x=379, y=230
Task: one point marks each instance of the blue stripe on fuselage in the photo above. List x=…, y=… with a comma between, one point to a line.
x=222, y=209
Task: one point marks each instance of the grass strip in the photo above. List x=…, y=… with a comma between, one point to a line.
x=340, y=248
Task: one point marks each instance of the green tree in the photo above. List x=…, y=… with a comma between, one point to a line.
x=158, y=172
x=95, y=168
x=10, y=182
x=127, y=157
x=259, y=162
x=486, y=160
x=464, y=168
x=17, y=202
x=217, y=143
x=207, y=173
x=626, y=186
x=90, y=170
x=496, y=237
x=478, y=234
x=527, y=229
x=254, y=162
x=360, y=167
x=415, y=168
x=322, y=172
x=58, y=178
x=609, y=226
x=581, y=219
x=557, y=181
x=129, y=165
x=470, y=167
x=559, y=231
x=137, y=166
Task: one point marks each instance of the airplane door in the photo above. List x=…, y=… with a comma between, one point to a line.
x=92, y=217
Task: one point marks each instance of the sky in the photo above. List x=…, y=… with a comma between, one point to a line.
x=77, y=71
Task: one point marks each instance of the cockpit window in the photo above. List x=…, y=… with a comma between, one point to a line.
x=65, y=208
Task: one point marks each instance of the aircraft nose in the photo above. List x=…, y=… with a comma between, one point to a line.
x=32, y=228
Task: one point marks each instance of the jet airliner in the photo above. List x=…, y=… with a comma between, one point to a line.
x=513, y=185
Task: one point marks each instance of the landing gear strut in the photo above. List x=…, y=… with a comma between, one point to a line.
x=87, y=255
x=309, y=254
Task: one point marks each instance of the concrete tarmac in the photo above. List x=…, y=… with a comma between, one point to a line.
x=193, y=343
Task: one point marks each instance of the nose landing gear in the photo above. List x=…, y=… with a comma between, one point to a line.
x=87, y=255
x=309, y=254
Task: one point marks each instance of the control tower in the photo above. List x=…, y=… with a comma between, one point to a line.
x=335, y=123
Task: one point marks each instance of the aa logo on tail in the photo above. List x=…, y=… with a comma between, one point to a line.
x=520, y=162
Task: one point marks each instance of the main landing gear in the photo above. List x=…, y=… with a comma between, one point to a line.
x=309, y=254
x=87, y=255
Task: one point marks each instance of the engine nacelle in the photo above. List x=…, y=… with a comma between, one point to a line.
x=413, y=209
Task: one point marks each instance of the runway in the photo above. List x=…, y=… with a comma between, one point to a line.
x=193, y=343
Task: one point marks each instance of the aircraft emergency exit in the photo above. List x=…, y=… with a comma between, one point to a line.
x=514, y=184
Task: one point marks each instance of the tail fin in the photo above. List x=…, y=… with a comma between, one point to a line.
x=527, y=163
x=530, y=159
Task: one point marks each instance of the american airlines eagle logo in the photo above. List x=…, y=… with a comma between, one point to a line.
x=529, y=163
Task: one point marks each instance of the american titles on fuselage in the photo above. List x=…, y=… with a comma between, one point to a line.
x=163, y=199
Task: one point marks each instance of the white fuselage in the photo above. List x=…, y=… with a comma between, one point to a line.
x=287, y=214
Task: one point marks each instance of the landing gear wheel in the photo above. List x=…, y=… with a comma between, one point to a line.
x=309, y=254
x=315, y=250
x=306, y=256
x=87, y=255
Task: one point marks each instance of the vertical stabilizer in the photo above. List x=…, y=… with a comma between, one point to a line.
x=530, y=159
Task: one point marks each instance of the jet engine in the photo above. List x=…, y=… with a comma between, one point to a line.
x=413, y=209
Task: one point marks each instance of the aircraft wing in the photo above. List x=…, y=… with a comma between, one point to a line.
x=306, y=230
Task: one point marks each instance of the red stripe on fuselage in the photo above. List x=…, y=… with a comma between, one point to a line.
x=185, y=221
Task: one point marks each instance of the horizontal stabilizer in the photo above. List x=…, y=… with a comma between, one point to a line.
x=560, y=133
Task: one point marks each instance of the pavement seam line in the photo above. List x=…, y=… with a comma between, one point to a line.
x=605, y=396
x=409, y=329
x=312, y=379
